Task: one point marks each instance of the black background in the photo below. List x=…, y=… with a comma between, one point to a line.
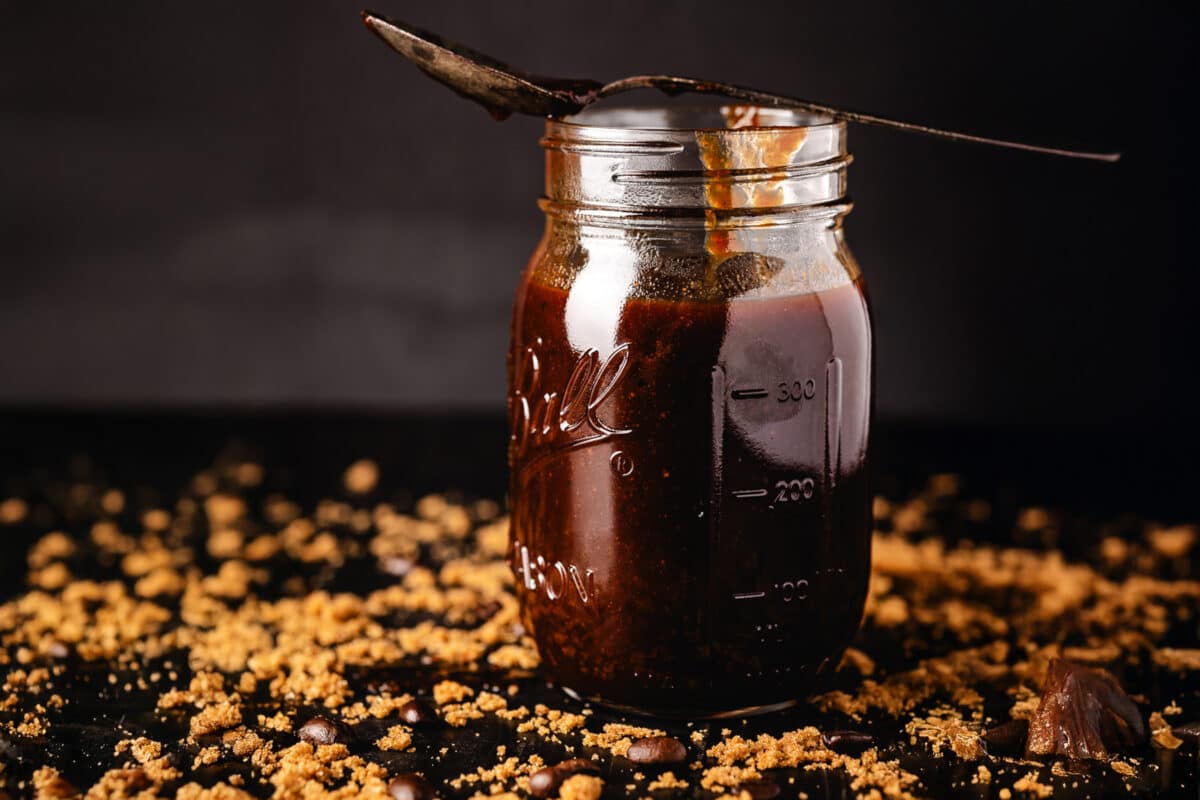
x=232, y=205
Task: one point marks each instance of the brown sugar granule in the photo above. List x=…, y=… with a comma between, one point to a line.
x=946, y=729
x=361, y=477
x=720, y=778
x=398, y=738
x=376, y=707
x=982, y=775
x=51, y=547
x=667, y=780
x=223, y=510
x=451, y=692
x=1122, y=768
x=219, y=791
x=1173, y=542
x=514, y=656
x=48, y=784
x=219, y=716
x=804, y=748
x=459, y=714
x=149, y=755
x=489, y=701
x=581, y=787
x=1160, y=732
x=1177, y=659
x=207, y=757
x=857, y=660
x=1028, y=784
x=617, y=738
x=13, y=511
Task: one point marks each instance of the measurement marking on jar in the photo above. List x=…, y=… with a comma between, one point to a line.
x=749, y=595
x=748, y=394
x=786, y=491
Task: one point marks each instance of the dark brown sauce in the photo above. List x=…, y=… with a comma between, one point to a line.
x=689, y=501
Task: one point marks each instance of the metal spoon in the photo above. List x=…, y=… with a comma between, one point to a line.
x=503, y=90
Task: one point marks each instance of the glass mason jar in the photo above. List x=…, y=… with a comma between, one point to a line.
x=690, y=396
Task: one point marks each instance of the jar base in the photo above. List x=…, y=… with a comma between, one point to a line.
x=677, y=713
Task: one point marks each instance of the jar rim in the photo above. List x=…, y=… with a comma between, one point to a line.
x=693, y=117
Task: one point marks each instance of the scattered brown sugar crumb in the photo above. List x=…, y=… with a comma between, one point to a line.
x=581, y=787
x=214, y=599
x=720, y=778
x=1172, y=542
x=514, y=656
x=13, y=511
x=398, y=738
x=1029, y=785
x=361, y=477
x=488, y=701
x=247, y=683
x=207, y=757
x=1160, y=732
x=451, y=692
x=51, y=547
x=617, y=738
x=805, y=748
x=1178, y=659
x=377, y=707
x=215, y=718
x=48, y=784
x=149, y=755
x=667, y=780
x=219, y=791
x=945, y=728
x=1123, y=768
x=505, y=774
x=857, y=660
x=459, y=714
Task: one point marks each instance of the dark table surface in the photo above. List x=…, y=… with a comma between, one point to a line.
x=1092, y=474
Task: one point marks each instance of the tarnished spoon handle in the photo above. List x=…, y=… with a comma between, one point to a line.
x=675, y=85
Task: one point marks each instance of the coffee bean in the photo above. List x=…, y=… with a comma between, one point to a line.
x=760, y=789
x=318, y=730
x=1189, y=731
x=657, y=750
x=574, y=766
x=545, y=782
x=414, y=712
x=850, y=742
x=1008, y=737
x=410, y=786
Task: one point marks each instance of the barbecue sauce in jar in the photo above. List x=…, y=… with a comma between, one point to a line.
x=690, y=398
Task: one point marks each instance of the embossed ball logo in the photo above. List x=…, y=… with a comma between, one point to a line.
x=545, y=423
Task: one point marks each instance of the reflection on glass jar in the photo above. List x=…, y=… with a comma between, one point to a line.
x=689, y=399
